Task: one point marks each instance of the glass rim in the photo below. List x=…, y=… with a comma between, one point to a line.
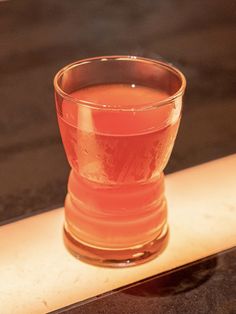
x=145, y=106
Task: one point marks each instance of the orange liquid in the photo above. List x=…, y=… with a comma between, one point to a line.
x=116, y=197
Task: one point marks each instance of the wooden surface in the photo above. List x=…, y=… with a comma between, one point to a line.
x=38, y=275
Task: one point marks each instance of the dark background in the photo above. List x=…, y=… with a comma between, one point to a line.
x=39, y=37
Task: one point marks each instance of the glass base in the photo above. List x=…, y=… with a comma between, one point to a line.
x=116, y=257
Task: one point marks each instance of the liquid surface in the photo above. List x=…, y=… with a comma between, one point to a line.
x=115, y=189
x=120, y=95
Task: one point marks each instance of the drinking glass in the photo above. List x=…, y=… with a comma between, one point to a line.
x=118, y=118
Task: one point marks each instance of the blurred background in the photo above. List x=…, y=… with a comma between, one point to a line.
x=39, y=37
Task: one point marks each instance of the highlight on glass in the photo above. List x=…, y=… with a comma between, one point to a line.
x=118, y=118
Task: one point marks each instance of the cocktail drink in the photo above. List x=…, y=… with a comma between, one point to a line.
x=118, y=118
